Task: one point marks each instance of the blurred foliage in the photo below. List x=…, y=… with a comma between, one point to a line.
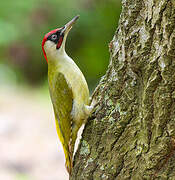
x=24, y=24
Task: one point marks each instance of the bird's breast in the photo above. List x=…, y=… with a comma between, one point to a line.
x=74, y=78
x=76, y=81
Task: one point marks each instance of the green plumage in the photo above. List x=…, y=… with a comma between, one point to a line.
x=62, y=103
x=70, y=98
x=62, y=100
x=68, y=90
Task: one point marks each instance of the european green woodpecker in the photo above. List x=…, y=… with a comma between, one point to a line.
x=68, y=89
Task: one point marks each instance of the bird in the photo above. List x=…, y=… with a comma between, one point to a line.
x=68, y=89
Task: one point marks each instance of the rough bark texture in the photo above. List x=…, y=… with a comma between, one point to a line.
x=132, y=132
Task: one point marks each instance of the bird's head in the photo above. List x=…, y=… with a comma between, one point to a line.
x=54, y=42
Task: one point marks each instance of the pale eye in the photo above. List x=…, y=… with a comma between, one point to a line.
x=54, y=37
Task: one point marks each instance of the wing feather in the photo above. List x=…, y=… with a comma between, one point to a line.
x=62, y=100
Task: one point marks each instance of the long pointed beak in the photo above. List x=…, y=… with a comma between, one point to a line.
x=69, y=25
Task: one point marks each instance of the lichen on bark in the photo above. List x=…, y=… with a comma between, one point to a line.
x=131, y=134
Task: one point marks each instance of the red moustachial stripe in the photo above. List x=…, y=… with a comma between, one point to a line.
x=45, y=39
x=59, y=42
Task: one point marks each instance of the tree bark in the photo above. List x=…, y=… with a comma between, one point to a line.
x=131, y=134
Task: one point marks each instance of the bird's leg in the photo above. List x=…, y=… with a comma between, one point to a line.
x=88, y=109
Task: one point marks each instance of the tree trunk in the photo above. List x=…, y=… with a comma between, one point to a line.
x=131, y=134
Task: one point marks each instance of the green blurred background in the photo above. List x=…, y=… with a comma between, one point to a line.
x=23, y=75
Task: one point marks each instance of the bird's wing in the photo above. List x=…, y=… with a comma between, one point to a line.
x=62, y=99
